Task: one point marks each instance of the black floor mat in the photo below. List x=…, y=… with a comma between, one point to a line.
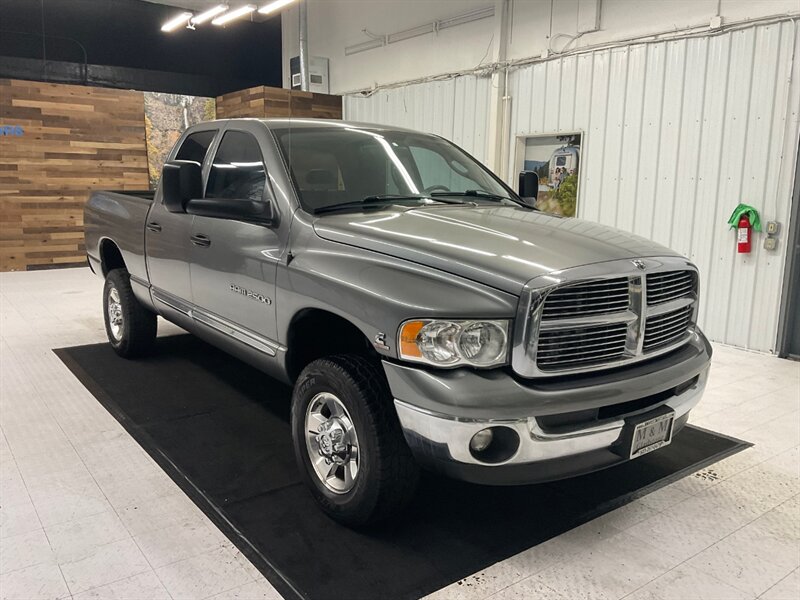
x=220, y=429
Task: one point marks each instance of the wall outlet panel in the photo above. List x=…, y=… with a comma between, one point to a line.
x=773, y=227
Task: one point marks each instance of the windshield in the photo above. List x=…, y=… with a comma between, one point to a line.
x=333, y=166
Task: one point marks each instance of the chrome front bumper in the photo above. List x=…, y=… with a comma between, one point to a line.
x=440, y=412
x=450, y=437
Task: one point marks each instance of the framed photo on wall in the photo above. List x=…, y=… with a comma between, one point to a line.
x=556, y=159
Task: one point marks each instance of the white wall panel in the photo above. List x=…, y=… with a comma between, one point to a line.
x=536, y=26
x=677, y=133
x=457, y=109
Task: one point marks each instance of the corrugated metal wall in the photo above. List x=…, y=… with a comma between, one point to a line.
x=457, y=109
x=676, y=134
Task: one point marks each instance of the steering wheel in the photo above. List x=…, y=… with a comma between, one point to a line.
x=436, y=187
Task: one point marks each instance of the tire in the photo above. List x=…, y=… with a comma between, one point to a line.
x=132, y=328
x=386, y=475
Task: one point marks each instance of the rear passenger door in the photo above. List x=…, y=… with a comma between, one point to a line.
x=167, y=236
x=234, y=263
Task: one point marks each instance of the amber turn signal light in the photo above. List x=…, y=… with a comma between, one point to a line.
x=408, y=338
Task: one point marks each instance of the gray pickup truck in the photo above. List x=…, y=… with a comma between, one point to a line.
x=426, y=314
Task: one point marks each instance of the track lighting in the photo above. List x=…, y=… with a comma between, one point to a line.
x=273, y=6
x=209, y=14
x=220, y=14
x=233, y=14
x=176, y=22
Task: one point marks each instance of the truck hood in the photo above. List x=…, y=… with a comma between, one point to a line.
x=501, y=246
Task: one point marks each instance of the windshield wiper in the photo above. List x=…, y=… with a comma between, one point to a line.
x=473, y=193
x=373, y=201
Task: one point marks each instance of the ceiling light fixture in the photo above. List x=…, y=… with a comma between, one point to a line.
x=234, y=14
x=178, y=21
x=209, y=14
x=273, y=6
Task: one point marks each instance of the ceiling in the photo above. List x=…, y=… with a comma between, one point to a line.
x=119, y=43
x=200, y=5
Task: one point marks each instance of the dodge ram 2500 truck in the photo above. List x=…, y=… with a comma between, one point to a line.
x=426, y=314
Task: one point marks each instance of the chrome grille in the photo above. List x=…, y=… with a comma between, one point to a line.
x=664, y=287
x=667, y=328
x=583, y=346
x=604, y=315
x=583, y=299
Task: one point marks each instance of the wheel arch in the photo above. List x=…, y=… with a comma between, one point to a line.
x=315, y=332
x=110, y=256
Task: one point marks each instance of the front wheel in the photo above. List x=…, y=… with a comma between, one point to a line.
x=130, y=327
x=348, y=442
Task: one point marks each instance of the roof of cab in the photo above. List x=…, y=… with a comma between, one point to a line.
x=301, y=123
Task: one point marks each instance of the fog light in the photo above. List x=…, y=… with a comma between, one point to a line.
x=494, y=445
x=481, y=440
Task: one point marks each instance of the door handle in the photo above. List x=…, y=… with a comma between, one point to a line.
x=154, y=227
x=201, y=240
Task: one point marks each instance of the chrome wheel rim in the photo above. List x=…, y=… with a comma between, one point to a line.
x=332, y=443
x=114, y=314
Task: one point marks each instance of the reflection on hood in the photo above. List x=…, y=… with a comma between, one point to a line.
x=502, y=246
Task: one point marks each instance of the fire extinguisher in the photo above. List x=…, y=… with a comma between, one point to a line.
x=743, y=235
x=746, y=220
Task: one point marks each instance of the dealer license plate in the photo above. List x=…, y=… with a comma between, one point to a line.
x=652, y=434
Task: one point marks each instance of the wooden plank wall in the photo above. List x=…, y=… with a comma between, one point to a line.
x=317, y=106
x=265, y=102
x=75, y=139
x=244, y=103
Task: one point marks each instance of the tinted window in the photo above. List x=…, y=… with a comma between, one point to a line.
x=332, y=166
x=195, y=146
x=238, y=169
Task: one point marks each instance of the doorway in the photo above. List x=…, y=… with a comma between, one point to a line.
x=789, y=341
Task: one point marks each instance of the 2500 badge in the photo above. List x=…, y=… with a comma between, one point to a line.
x=250, y=294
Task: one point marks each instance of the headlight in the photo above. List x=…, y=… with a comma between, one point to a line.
x=454, y=343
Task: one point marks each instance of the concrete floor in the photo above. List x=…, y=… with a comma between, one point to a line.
x=85, y=512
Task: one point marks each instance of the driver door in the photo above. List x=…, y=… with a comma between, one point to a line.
x=167, y=234
x=234, y=263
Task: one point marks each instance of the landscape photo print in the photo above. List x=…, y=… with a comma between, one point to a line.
x=556, y=160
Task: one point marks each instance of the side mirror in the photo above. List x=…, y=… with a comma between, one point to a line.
x=181, y=181
x=254, y=211
x=528, y=184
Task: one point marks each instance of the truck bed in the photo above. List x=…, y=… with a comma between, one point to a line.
x=143, y=194
x=120, y=217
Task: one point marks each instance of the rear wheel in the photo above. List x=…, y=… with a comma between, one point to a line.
x=130, y=327
x=348, y=442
